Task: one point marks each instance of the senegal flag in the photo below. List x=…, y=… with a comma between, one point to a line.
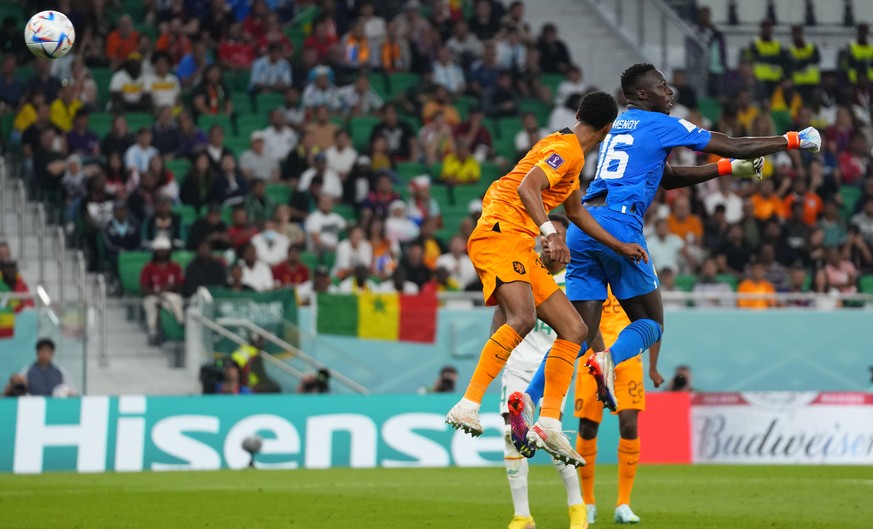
x=378, y=316
x=7, y=323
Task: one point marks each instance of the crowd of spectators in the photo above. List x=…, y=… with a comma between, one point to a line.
x=346, y=202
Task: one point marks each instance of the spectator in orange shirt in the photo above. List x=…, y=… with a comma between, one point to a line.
x=174, y=41
x=682, y=222
x=121, y=42
x=441, y=102
x=766, y=202
x=756, y=284
x=812, y=204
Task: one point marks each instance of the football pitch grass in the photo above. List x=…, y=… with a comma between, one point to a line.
x=674, y=497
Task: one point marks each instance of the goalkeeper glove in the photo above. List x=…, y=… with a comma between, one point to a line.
x=742, y=168
x=807, y=139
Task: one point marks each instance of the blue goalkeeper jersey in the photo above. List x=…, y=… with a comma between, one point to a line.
x=632, y=157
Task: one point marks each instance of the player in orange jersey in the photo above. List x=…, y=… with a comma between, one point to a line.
x=514, y=211
x=632, y=400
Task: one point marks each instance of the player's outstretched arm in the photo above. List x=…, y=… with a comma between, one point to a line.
x=751, y=147
x=580, y=216
x=686, y=176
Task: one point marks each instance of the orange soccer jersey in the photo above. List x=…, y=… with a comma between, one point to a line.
x=560, y=156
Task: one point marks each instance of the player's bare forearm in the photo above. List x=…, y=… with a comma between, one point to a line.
x=580, y=216
x=530, y=191
x=687, y=176
x=747, y=147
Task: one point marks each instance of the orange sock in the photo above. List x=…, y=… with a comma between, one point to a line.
x=628, y=460
x=494, y=356
x=559, y=371
x=587, y=448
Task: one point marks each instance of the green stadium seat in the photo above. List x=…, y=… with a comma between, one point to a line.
x=6, y=125
x=379, y=84
x=850, y=195
x=400, y=82
x=237, y=145
x=491, y=172
x=100, y=123
x=130, y=264
x=171, y=330
x=464, y=103
x=464, y=194
x=239, y=81
x=279, y=193
x=242, y=103
x=552, y=80
x=508, y=127
x=207, y=121
x=346, y=211
x=685, y=282
x=360, y=128
x=729, y=279
x=409, y=170
x=866, y=284
x=492, y=127
x=102, y=76
x=267, y=101
x=504, y=147
x=710, y=108
x=442, y=195
x=250, y=123
x=412, y=121
x=183, y=257
x=310, y=259
x=137, y=120
x=187, y=215
x=539, y=108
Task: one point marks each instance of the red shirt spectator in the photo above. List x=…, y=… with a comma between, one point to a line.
x=234, y=51
x=157, y=276
x=321, y=41
x=287, y=274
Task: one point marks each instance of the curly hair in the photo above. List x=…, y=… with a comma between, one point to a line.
x=630, y=78
x=597, y=109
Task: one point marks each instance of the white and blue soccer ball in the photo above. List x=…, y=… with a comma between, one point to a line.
x=49, y=35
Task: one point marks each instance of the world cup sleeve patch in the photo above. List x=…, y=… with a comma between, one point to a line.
x=554, y=161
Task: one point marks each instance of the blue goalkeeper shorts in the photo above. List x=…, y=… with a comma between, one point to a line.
x=592, y=265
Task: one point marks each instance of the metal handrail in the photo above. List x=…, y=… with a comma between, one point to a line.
x=60, y=259
x=39, y=213
x=20, y=204
x=79, y=275
x=305, y=358
x=100, y=303
x=239, y=340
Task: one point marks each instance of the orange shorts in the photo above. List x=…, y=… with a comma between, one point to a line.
x=629, y=390
x=507, y=257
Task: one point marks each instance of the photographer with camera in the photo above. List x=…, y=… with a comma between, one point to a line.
x=318, y=382
x=17, y=386
x=681, y=380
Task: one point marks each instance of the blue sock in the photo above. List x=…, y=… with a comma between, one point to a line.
x=634, y=339
x=538, y=382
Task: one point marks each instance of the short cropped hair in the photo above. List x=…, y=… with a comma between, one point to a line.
x=560, y=219
x=597, y=109
x=630, y=78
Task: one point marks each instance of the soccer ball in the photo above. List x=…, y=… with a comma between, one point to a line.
x=49, y=35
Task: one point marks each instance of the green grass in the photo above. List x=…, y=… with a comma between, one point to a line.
x=674, y=497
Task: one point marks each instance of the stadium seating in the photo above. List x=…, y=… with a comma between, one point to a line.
x=866, y=284
x=850, y=195
x=685, y=282
x=279, y=193
x=360, y=129
x=130, y=265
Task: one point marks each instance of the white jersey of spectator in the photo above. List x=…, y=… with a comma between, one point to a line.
x=460, y=268
x=388, y=287
x=259, y=166
x=733, y=205
x=327, y=225
x=664, y=253
x=293, y=116
x=271, y=246
x=567, y=88
x=416, y=212
x=350, y=286
x=864, y=223
x=561, y=118
x=138, y=158
x=523, y=140
x=341, y=161
x=265, y=72
x=348, y=257
x=279, y=142
x=259, y=277
x=131, y=89
x=376, y=30
x=313, y=96
x=511, y=55
x=449, y=75
x=713, y=294
x=165, y=91
x=369, y=102
x=332, y=183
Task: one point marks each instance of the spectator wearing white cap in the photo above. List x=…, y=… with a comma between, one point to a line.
x=161, y=283
x=321, y=91
x=255, y=163
x=279, y=138
x=399, y=228
x=422, y=206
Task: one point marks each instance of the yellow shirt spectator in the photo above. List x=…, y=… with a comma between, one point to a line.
x=25, y=117
x=62, y=113
x=461, y=168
